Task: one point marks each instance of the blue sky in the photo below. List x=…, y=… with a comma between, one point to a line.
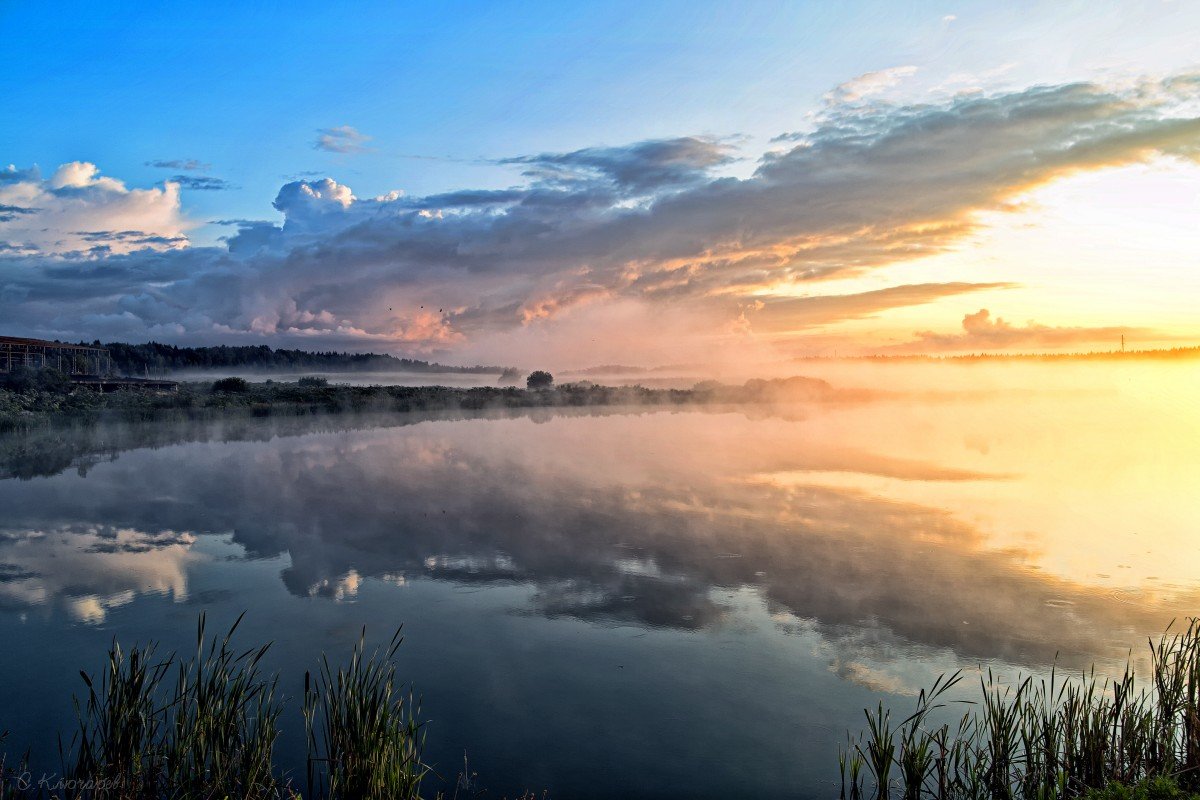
x=246, y=86
x=441, y=92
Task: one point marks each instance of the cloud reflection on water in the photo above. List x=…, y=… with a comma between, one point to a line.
x=647, y=519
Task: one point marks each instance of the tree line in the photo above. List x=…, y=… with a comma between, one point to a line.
x=154, y=358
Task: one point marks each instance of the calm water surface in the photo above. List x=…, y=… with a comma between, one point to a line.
x=626, y=602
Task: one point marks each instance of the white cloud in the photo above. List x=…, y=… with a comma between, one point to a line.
x=307, y=204
x=870, y=84
x=79, y=211
x=342, y=139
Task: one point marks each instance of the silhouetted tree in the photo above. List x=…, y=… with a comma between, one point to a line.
x=539, y=379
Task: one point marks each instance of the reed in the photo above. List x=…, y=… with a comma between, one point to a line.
x=1080, y=737
x=223, y=722
x=365, y=736
x=11, y=775
x=118, y=742
x=205, y=726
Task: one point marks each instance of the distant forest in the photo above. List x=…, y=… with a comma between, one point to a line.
x=153, y=358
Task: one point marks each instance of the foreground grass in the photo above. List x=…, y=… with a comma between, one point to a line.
x=1082, y=737
x=205, y=726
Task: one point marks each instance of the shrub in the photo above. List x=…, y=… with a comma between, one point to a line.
x=312, y=382
x=231, y=385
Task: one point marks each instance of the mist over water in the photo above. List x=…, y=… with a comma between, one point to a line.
x=692, y=601
x=360, y=378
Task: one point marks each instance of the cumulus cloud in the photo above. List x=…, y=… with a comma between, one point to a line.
x=342, y=139
x=652, y=223
x=982, y=331
x=79, y=211
x=313, y=205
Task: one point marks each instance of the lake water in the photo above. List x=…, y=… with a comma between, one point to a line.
x=670, y=603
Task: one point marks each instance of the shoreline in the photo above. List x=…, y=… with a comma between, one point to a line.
x=72, y=405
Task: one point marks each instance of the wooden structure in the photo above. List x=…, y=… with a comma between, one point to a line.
x=70, y=359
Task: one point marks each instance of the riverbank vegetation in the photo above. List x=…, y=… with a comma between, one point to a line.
x=47, y=398
x=1083, y=737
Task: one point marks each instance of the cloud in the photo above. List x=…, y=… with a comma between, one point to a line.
x=870, y=84
x=201, y=183
x=981, y=331
x=67, y=213
x=313, y=205
x=184, y=164
x=9, y=213
x=637, y=169
x=651, y=224
x=799, y=313
x=342, y=139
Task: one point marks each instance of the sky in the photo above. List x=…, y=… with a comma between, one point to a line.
x=568, y=184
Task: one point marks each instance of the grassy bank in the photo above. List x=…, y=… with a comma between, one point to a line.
x=1030, y=740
